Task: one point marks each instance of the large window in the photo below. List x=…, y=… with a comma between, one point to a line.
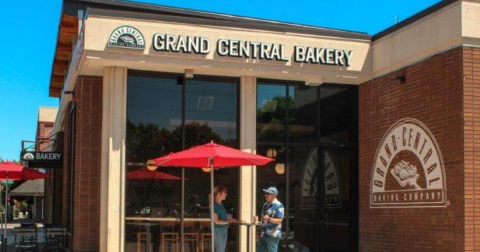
x=166, y=113
x=311, y=132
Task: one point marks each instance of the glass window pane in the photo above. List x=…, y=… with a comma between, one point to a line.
x=228, y=177
x=303, y=211
x=338, y=205
x=338, y=113
x=271, y=112
x=211, y=108
x=153, y=117
x=274, y=175
x=302, y=113
x=211, y=112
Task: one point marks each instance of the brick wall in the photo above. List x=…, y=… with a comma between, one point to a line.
x=432, y=93
x=88, y=98
x=471, y=96
x=65, y=200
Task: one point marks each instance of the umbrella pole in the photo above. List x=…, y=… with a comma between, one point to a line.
x=212, y=226
x=4, y=241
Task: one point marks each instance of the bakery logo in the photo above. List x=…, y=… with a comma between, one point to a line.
x=28, y=156
x=408, y=169
x=310, y=181
x=126, y=37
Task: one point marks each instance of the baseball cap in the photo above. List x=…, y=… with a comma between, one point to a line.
x=271, y=190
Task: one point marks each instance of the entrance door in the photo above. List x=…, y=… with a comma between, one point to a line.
x=337, y=208
x=321, y=200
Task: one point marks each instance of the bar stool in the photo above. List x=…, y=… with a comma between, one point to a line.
x=205, y=237
x=168, y=237
x=141, y=237
x=190, y=236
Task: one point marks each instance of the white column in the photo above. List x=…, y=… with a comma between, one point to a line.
x=113, y=159
x=248, y=114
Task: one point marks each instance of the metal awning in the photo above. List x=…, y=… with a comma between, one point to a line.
x=30, y=188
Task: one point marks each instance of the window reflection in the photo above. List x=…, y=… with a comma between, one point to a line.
x=273, y=174
x=153, y=120
x=338, y=205
x=210, y=115
x=303, y=184
x=271, y=112
x=303, y=113
x=319, y=204
x=211, y=112
x=155, y=128
x=338, y=115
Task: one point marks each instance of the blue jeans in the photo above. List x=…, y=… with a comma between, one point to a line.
x=221, y=235
x=267, y=244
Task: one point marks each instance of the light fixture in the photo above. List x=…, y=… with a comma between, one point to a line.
x=272, y=153
x=280, y=168
x=151, y=165
x=314, y=81
x=69, y=92
x=206, y=169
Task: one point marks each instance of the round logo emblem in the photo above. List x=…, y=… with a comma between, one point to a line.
x=28, y=156
x=310, y=181
x=126, y=37
x=408, y=169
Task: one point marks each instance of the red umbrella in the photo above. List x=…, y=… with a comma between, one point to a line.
x=209, y=155
x=145, y=173
x=14, y=171
x=213, y=156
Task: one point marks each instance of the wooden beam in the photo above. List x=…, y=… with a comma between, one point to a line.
x=59, y=69
x=55, y=92
x=68, y=30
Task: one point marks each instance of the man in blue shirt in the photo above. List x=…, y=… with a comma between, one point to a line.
x=272, y=216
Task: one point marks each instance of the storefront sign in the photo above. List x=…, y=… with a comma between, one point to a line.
x=250, y=49
x=408, y=169
x=126, y=37
x=42, y=156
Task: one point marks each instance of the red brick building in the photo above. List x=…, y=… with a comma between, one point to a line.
x=374, y=136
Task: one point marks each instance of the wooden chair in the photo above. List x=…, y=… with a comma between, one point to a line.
x=141, y=237
x=205, y=237
x=170, y=237
x=190, y=235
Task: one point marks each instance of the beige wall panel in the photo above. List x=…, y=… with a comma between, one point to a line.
x=381, y=54
x=248, y=96
x=471, y=19
x=449, y=22
x=415, y=40
x=426, y=37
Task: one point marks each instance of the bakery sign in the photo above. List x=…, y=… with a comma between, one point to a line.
x=408, y=169
x=132, y=38
x=42, y=156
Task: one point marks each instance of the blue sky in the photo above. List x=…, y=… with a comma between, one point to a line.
x=29, y=30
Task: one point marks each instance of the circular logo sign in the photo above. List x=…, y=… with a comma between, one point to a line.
x=126, y=37
x=408, y=169
x=310, y=181
x=28, y=156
